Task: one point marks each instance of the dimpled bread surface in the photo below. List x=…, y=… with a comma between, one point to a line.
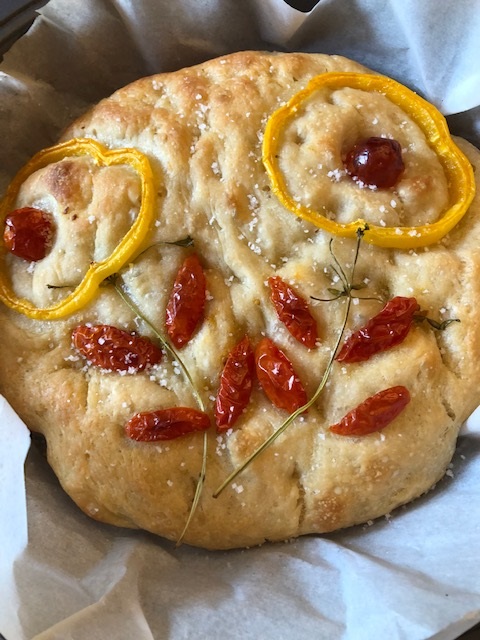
x=202, y=130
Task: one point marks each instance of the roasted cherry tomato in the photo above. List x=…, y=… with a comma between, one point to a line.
x=235, y=385
x=114, y=349
x=187, y=301
x=382, y=332
x=292, y=310
x=166, y=424
x=374, y=413
x=28, y=233
x=277, y=377
x=376, y=162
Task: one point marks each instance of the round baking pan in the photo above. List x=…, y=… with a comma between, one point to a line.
x=16, y=16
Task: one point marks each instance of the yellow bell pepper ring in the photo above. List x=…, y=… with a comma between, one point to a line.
x=457, y=168
x=97, y=271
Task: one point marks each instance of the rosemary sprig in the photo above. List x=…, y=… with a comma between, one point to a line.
x=439, y=326
x=117, y=282
x=347, y=288
x=347, y=285
x=61, y=286
x=198, y=490
x=183, y=242
x=120, y=288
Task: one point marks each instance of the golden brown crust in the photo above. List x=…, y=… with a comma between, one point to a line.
x=202, y=130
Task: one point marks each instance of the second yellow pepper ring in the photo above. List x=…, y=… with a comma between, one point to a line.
x=123, y=252
x=458, y=170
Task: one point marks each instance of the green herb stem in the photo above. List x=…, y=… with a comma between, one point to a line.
x=198, y=489
x=120, y=289
x=293, y=416
x=167, y=346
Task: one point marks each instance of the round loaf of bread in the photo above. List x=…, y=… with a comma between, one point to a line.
x=202, y=129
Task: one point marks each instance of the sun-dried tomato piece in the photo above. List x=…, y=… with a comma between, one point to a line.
x=187, y=301
x=236, y=384
x=374, y=413
x=166, y=424
x=292, y=309
x=277, y=377
x=387, y=329
x=28, y=233
x=114, y=349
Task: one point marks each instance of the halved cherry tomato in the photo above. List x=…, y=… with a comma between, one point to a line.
x=235, y=385
x=277, y=377
x=28, y=233
x=292, y=310
x=114, y=349
x=387, y=329
x=374, y=413
x=187, y=301
x=166, y=424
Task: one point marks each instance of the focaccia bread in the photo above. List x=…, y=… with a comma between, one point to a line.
x=211, y=196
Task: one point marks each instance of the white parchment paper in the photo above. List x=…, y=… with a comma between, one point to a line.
x=411, y=576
